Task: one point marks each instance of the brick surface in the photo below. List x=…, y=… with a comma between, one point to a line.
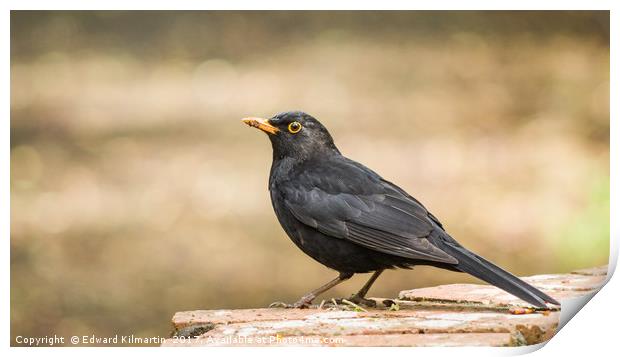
x=448, y=315
x=560, y=286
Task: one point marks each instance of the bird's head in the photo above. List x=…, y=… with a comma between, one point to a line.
x=295, y=134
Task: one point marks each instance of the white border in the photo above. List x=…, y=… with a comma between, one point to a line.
x=591, y=331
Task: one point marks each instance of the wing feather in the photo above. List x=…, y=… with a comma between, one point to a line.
x=381, y=217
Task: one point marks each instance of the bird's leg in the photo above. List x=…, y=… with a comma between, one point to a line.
x=307, y=299
x=359, y=298
x=364, y=290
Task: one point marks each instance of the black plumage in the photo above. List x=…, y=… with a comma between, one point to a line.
x=350, y=219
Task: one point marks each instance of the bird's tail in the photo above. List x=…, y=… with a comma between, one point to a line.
x=483, y=269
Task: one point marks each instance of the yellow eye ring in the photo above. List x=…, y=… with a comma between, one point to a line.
x=294, y=127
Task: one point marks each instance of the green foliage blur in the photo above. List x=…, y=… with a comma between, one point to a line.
x=136, y=191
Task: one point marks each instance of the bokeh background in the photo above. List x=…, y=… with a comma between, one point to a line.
x=137, y=192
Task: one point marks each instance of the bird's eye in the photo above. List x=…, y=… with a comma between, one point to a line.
x=294, y=127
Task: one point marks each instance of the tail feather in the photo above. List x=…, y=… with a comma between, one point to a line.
x=483, y=269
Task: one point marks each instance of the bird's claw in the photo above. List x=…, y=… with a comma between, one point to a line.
x=301, y=304
x=358, y=300
x=278, y=304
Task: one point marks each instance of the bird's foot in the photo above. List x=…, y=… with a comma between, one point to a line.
x=301, y=304
x=358, y=300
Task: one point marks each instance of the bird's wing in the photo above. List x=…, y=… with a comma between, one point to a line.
x=348, y=201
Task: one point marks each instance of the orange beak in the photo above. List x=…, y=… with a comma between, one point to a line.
x=262, y=124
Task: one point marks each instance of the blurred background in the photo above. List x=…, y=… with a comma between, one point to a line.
x=137, y=192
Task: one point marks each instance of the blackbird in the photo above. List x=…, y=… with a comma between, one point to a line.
x=350, y=219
